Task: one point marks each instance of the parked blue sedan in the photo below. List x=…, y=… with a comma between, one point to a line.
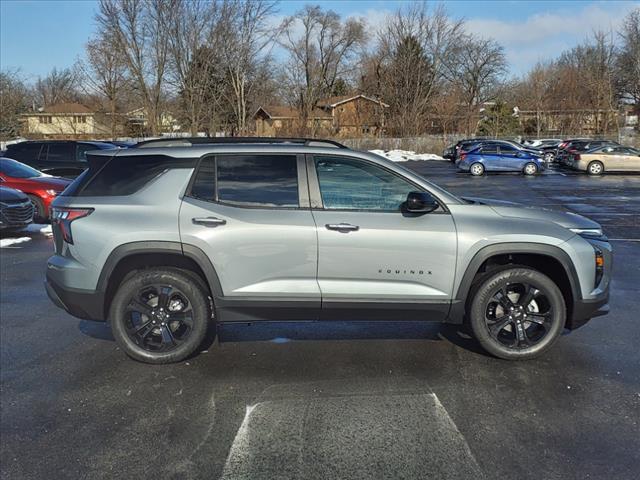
x=493, y=157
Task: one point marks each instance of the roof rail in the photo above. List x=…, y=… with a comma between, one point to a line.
x=190, y=141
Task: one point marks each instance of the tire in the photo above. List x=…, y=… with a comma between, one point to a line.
x=476, y=169
x=549, y=157
x=533, y=325
x=530, y=169
x=160, y=315
x=39, y=212
x=595, y=168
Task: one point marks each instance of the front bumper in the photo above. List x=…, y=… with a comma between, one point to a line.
x=584, y=310
x=83, y=304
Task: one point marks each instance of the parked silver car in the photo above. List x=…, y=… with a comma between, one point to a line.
x=165, y=239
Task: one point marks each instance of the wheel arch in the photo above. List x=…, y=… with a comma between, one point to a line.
x=140, y=255
x=548, y=259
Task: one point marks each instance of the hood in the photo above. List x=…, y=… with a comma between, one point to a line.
x=517, y=210
x=54, y=183
x=10, y=194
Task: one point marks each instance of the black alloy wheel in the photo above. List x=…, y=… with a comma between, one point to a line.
x=517, y=313
x=159, y=318
x=161, y=315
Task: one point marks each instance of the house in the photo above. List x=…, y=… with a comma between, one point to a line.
x=343, y=116
x=63, y=120
x=137, y=122
x=278, y=121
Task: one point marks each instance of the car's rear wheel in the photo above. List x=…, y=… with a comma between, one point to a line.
x=595, y=168
x=530, y=169
x=160, y=315
x=477, y=169
x=39, y=210
x=517, y=314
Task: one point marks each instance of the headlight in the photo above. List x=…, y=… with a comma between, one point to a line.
x=594, y=233
x=52, y=193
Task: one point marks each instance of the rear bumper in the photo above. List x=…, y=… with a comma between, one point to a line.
x=84, y=304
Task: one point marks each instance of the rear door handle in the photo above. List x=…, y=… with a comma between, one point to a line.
x=342, y=227
x=208, y=221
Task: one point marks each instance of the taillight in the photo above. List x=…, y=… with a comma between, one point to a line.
x=463, y=156
x=563, y=144
x=62, y=218
x=577, y=157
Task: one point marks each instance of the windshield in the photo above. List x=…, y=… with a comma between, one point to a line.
x=16, y=169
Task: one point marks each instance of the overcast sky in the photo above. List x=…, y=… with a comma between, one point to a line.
x=37, y=35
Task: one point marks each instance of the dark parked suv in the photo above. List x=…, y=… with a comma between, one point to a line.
x=61, y=158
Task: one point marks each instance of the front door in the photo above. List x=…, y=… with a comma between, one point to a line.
x=250, y=215
x=374, y=261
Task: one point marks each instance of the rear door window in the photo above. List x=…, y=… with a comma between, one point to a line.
x=61, y=152
x=257, y=180
x=489, y=149
x=508, y=150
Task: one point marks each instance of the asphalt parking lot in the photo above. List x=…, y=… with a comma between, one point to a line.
x=331, y=400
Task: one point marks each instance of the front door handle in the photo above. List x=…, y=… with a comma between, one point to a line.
x=342, y=227
x=208, y=221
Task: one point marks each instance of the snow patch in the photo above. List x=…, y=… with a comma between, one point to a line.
x=39, y=228
x=406, y=155
x=7, y=242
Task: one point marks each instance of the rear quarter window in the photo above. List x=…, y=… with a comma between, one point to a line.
x=124, y=175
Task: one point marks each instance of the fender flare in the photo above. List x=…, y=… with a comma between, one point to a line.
x=464, y=286
x=152, y=247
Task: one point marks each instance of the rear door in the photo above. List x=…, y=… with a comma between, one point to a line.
x=491, y=157
x=250, y=216
x=374, y=261
x=62, y=160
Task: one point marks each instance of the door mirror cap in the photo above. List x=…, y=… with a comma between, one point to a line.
x=420, y=202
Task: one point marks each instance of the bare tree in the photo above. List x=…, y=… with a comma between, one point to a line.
x=248, y=38
x=628, y=62
x=58, y=86
x=416, y=47
x=321, y=55
x=103, y=73
x=478, y=68
x=195, y=34
x=140, y=37
x=14, y=100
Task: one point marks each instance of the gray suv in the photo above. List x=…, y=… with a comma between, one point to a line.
x=165, y=239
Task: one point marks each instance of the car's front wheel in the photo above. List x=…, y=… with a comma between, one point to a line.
x=549, y=157
x=477, y=169
x=517, y=314
x=160, y=315
x=530, y=169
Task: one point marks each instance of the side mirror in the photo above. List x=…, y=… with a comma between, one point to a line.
x=420, y=202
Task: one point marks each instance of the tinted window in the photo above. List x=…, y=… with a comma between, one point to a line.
x=204, y=185
x=24, y=151
x=356, y=185
x=62, y=152
x=490, y=149
x=17, y=170
x=127, y=174
x=508, y=150
x=83, y=148
x=258, y=180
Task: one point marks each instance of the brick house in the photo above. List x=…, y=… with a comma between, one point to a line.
x=344, y=116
